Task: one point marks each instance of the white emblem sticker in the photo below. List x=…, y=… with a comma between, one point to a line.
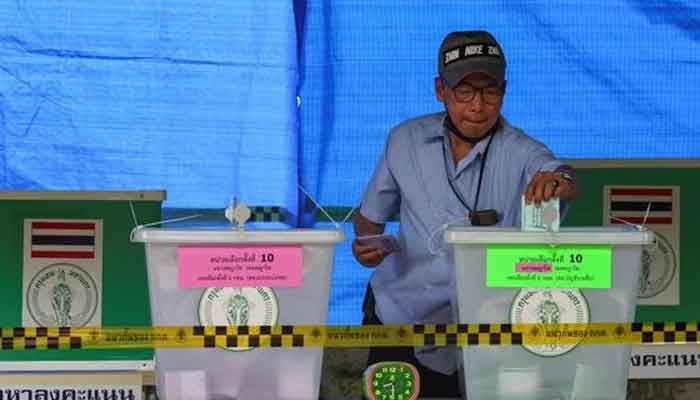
x=238, y=306
x=550, y=306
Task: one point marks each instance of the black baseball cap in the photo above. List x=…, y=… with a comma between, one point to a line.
x=465, y=52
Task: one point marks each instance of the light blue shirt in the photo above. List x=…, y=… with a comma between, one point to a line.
x=416, y=284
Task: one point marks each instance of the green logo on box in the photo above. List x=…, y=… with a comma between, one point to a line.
x=547, y=266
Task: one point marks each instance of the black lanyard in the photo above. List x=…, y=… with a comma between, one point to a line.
x=481, y=175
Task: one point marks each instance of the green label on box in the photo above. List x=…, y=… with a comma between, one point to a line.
x=546, y=266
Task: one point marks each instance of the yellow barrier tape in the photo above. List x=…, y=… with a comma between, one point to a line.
x=493, y=334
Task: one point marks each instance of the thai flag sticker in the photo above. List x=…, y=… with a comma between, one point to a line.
x=637, y=205
x=63, y=239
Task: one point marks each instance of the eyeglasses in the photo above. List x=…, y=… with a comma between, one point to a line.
x=491, y=94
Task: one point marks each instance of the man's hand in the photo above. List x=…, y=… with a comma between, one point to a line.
x=367, y=254
x=546, y=185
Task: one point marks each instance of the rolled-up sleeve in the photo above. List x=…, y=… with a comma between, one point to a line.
x=382, y=198
x=540, y=158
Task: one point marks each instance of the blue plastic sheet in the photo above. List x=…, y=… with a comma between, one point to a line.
x=601, y=79
x=197, y=98
x=200, y=98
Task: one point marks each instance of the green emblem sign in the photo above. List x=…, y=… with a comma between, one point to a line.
x=547, y=266
x=391, y=380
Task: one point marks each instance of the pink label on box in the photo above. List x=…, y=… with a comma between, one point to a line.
x=533, y=267
x=240, y=266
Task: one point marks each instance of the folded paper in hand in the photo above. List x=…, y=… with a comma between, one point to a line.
x=387, y=242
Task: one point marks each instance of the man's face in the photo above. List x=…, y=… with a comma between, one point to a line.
x=474, y=105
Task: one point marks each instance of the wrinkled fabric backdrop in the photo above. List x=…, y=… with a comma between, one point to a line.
x=213, y=99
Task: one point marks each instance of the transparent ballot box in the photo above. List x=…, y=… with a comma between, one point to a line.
x=575, y=275
x=290, y=272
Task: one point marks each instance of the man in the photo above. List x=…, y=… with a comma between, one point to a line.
x=467, y=164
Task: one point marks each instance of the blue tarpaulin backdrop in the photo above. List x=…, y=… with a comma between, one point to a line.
x=197, y=97
x=215, y=99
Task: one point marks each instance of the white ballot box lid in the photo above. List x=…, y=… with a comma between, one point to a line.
x=279, y=236
x=613, y=235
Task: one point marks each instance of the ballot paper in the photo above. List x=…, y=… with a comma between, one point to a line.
x=542, y=217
